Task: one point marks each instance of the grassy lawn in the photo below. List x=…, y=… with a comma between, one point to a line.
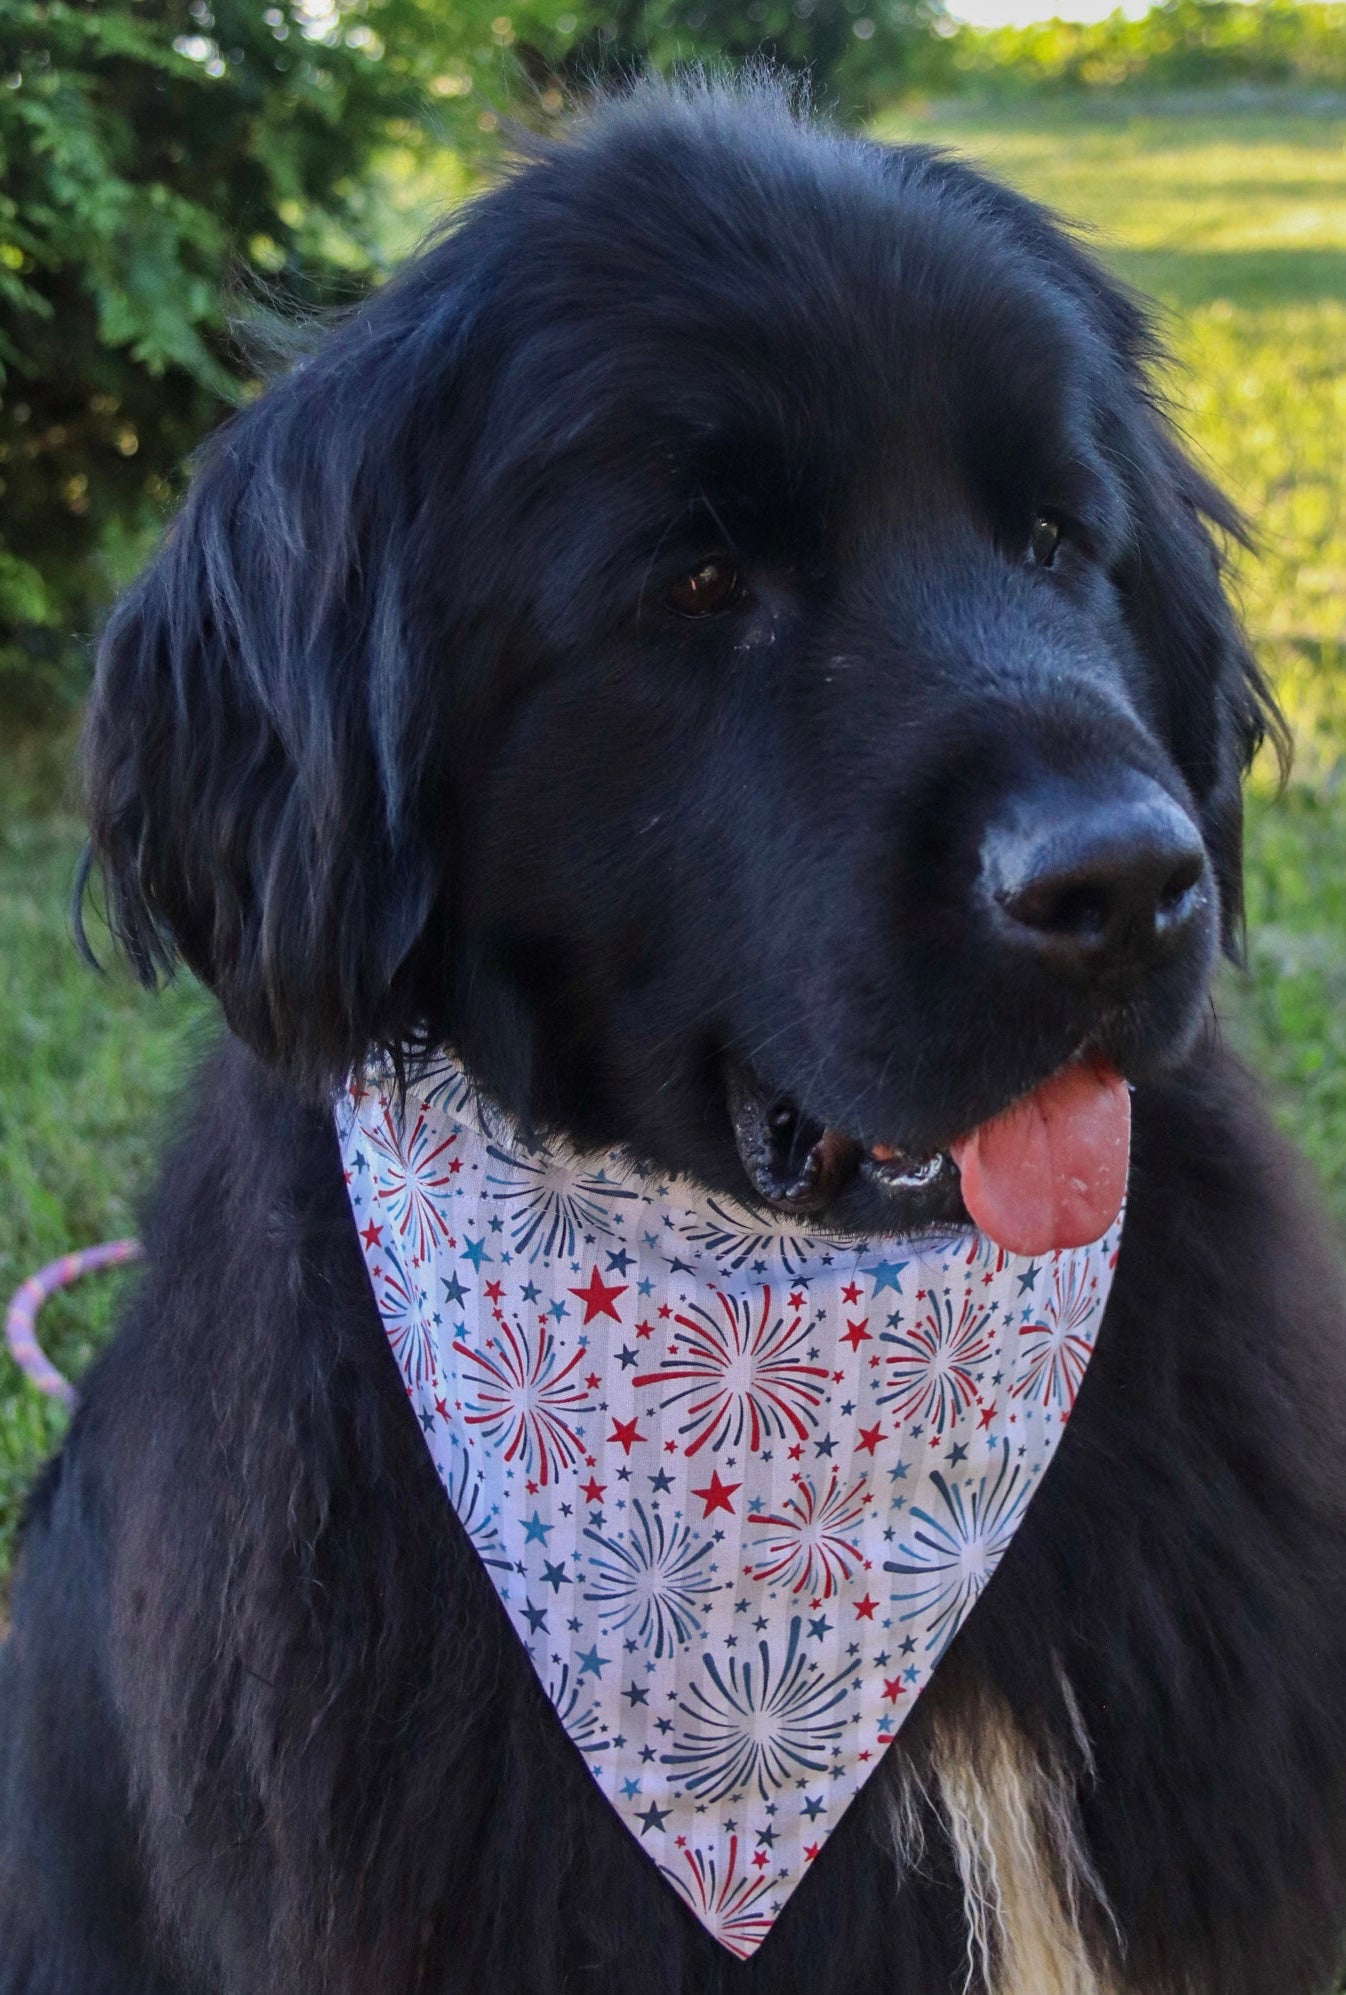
x=1237, y=222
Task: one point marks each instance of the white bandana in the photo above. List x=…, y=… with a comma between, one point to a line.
x=737, y=1489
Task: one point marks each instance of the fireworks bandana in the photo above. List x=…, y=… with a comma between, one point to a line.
x=736, y=1489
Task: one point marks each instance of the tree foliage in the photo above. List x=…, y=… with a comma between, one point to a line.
x=161, y=159
x=154, y=156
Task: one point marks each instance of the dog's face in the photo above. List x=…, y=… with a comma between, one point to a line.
x=727, y=641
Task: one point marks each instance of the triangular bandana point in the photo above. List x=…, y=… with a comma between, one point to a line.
x=736, y=1489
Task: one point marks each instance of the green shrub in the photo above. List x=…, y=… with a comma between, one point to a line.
x=1183, y=44
x=158, y=157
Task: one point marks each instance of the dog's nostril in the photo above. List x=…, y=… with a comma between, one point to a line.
x=1179, y=890
x=793, y=1136
x=1090, y=882
x=1073, y=910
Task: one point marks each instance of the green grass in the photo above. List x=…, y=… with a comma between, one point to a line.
x=87, y=1068
x=1237, y=223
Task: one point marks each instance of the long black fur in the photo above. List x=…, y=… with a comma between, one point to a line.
x=396, y=742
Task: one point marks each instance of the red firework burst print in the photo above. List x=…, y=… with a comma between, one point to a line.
x=931, y=1371
x=810, y=1541
x=1055, y=1352
x=415, y=1178
x=730, y=1907
x=741, y=1374
x=524, y=1398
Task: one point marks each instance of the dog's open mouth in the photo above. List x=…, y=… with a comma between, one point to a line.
x=1048, y=1171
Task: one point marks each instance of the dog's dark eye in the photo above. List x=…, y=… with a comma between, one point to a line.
x=1043, y=541
x=715, y=585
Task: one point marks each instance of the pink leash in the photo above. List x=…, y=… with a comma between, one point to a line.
x=21, y=1316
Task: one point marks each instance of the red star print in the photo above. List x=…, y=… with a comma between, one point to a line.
x=796, y=1451
x=988, y=1414
x=850, y=1293
x=598, y=1299
x=593, y=1381
x=592, y=1490
x=717, y=1495
x=494, y=1290
x=869, y=1439
x=857, y=1334
x=372, y=1235
x=761, y=1858
x=441, y=1409
x=797, y=1298
x=864, y=1609
x=811, y=1850
x=644, y=1329
x=624, y=1431
x=892, y=1690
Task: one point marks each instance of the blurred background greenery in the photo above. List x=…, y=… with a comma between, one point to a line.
x=172, y=169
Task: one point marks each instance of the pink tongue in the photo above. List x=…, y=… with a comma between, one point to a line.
x=1051, y=1171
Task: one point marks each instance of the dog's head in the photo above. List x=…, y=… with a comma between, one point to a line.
x=728, y=640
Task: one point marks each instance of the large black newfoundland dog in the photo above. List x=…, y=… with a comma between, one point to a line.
x=729, y=642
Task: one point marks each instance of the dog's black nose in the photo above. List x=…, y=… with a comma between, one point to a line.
x=1095, y=883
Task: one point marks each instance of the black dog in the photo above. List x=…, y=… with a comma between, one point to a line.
x=729, y=630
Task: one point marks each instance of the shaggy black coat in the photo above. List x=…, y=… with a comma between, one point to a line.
x=400, y=740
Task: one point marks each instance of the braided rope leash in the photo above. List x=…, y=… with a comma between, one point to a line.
x=28, y=1298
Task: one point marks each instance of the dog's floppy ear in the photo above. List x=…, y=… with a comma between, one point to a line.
x=1215, y=704
x=1216, y=707
x=256, y=747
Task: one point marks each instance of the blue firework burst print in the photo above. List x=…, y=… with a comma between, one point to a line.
x=736, y=1490
x=955, y=1546
x=759, y=1721
x=654, y=1579
x=932, y=1371
x=445, y=1087
x=733, y=1238
x=740, y=1374
x=549, y=1205
x=577, y=1710
x=467, y=1493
